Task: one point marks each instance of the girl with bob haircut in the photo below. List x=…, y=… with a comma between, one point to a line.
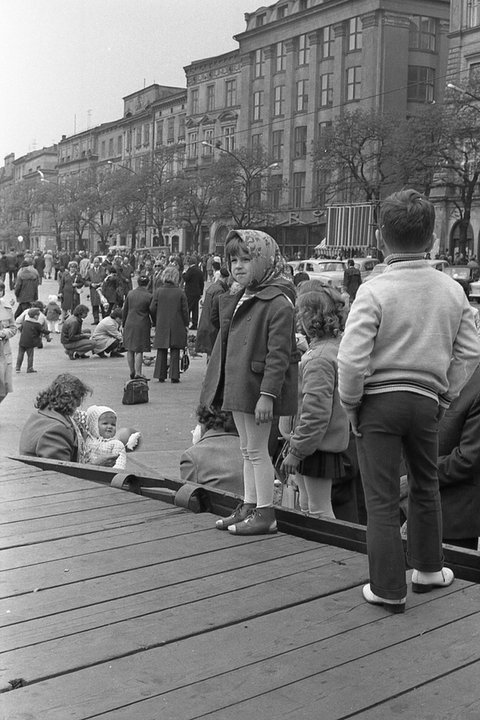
x=253, y=369
x=320, y=430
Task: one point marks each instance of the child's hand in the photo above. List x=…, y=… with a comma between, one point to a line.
x=264, y=409
x=290, y=464
x=107, y=461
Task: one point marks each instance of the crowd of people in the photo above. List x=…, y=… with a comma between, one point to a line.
x=332, y=386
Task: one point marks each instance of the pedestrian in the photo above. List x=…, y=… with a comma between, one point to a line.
x=111, y=288
x=253, y=369
x=409, y=346
x=320, y=433
x=53, y=312
x=169, y=311
x=94, y=279
x=39, y=265
x=26, y=287
x=76, y=341
x=68, y=288
x=3, y=265
x=137, y=323
x=48, y=257
x=352, y=279
x=107, y=337
x=12, y=267
x=30, y=337
x=193, y=286
x=7, y=330
x=207, y=329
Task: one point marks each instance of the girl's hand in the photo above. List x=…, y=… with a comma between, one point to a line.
x=264, y=409
x=290, y=464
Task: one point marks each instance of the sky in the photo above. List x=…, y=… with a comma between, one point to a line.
x=65, y=65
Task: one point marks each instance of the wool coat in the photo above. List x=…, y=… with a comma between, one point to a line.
x=49, y=434
x=26, y=285
x=137, y=320
x=68, y=287
x=193, y=278
x=207, y=330
x=95, y=277
x=255, y=351
x=169, y=309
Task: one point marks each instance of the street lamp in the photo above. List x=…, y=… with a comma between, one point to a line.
x=125, y=167
x=249, y=175
x=451, y=86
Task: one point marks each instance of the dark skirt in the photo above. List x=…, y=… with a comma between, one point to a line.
x=323, y=465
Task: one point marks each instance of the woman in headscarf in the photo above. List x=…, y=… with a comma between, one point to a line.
x=253, y=370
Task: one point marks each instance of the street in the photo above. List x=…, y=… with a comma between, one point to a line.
x=165, y=422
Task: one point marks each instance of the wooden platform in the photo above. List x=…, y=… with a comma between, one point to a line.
x=118, y=607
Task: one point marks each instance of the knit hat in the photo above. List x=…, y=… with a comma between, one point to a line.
x=93, y=415
x=52, y=298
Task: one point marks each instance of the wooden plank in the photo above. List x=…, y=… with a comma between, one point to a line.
x=188, y=678
x=47, y=484
x=276, y=586
x=133, y=582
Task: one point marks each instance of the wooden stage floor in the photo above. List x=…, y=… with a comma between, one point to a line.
x=118, y=607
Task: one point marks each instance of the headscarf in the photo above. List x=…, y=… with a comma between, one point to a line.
x=92, y=416
x=267, y=261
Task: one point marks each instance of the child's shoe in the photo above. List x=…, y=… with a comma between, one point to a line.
x=31, y=370
x=260, y=522
x=238, y=515
x=423, y=582
x=393, y=606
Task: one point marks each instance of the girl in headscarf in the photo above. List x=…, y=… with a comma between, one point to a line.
x=253, y=370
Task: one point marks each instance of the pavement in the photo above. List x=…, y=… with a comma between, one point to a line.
x=165, y=422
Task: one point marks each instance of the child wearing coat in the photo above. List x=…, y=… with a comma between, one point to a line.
x=53, y=312
x=100, y=440
x=321, y=431
x=31, y=333
x=253, y=370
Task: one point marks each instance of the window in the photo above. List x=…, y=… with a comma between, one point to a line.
x=146, y=134
x=207, y=150
x=474, y=14
x=257, y=105
x=138, y=137
x=119, y=144
x=298, y=190
x=303, y=50
x=260, y=20
x=258, y=64
x=210, y=98
x=324, y=128
x=279, y=100
x=129, y=141
x=229, y=138
x=194, y=101
x=354, y=34
x=326, y=90
x=303, y=5
x=300, y=141
x=192, y=144
x=181, y=127
x=302, y=96
x=323, y=183
x=110, y=147
x=354, y=83
x=257, y=140
x=421, y=84
x=159, y=140
x=327, y=42
x=422, y=33
x=230, y=93
x=474, y=73
x=281, y=57
x=282, y=11
x=102, y=149
x=275, y=191
x=277, y=144
x=171, y=130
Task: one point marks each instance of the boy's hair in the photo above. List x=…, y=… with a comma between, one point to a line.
x=321, y=312
x=80, y=310
x=116, y=313
x=407, y=219
x=171, y=275
x=38, y=304
x=33, y=312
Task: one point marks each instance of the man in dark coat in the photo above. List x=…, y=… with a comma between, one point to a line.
x=459, y=467
x=193, y=279
x=12, y=267
x=26, y=287
x=352, y=279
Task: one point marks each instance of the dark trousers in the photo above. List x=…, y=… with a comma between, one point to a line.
x=391, y=423
x=12, y=277
x=161, y=364
x=21, y=352
x=21, y=307
x=193, y=310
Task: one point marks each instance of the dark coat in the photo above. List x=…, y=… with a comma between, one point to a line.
x=169, y=310
x=95, y=278
x=72, y=331
x=112, y=288
x=137, y=320
x=459, y=463
x=352, y=280
x=49, y=434
x=68, y=287
x=255, y=351
x=207, y=330
x=194, y=282
x=26, y=285
x=215, y=460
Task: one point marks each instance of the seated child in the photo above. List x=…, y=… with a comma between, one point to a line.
x=53, y=313
x=101, y=426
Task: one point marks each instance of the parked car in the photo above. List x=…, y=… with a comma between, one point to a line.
x=331, y=271
x=440, y=265
x=464, y=275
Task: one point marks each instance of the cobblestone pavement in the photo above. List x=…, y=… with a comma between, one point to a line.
x=165, y=422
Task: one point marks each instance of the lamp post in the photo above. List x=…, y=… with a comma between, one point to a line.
x=250, y=175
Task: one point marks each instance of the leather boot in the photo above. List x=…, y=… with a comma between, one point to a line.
x=238, y=515
x=260, y=522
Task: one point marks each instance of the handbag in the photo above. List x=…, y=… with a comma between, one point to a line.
x=135, y=392
x=184, y=361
